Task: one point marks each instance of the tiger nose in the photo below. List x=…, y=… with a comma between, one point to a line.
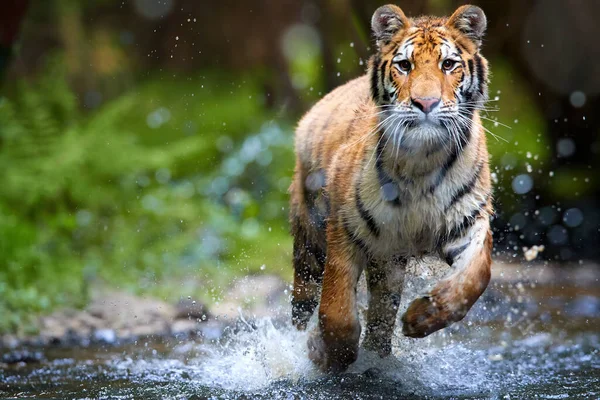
x=426, y=104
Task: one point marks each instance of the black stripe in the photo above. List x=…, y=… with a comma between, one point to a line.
x=413, y=36
x=358, y=242
x=460, y=47
x=375, y=79
x=480, y=74
x=365, y=214
x=465, y=136
x=471, y=68
x=466, y=188
x=382, y=69
x=458, y=231
x=463, y=89
x=451, y=254
x=446, y=168
x=381, y=174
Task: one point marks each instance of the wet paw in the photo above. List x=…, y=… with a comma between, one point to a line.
x=424, y=316
x=330, y=358
x=316, y=350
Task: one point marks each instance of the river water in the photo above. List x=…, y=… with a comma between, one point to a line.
x=527, y=338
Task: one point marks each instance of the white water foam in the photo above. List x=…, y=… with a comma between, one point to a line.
x=253, y=360
x=442, y=364
x=256, y=358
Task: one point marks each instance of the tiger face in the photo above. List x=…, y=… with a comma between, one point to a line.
x=428, y=76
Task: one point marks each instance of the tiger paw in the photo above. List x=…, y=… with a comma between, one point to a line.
x=316, y=350
x=424, y=316
x=330, y=358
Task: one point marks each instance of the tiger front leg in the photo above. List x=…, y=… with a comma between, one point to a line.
x=451, y=298
x=384, y=281
x=333, y=345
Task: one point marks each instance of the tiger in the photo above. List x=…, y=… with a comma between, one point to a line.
x=392, y=166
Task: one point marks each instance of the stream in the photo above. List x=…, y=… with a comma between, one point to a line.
x=524, y=339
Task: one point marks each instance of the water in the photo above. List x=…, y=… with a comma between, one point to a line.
x=523, y=340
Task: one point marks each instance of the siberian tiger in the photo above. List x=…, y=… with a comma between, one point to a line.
x=389, y=166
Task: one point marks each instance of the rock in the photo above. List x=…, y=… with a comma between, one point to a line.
x=130, y=316
x=106, y=336
x=22, y=356
x=10, y=342
x=184, y=327
x=191, y=309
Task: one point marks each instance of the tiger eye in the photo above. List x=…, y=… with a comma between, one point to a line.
x=405, y=65
x=448, y=64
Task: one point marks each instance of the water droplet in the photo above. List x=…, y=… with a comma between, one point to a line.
x=577, y=99
x=558, y=235
x=573, y=217
x=522, y=184
x=565, y=147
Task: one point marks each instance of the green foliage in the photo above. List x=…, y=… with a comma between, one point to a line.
x=166, y=190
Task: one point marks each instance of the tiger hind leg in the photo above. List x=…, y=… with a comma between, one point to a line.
x=309, y=261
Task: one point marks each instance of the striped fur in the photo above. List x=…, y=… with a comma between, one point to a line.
x=389, y=166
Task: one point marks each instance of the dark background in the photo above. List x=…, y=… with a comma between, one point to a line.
x=147, y=144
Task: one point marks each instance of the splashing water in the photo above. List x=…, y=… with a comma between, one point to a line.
x=252, y=360
x=515, y=343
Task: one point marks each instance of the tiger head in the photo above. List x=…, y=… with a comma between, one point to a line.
x=428, y=76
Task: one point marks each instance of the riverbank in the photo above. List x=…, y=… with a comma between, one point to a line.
x=116, y=317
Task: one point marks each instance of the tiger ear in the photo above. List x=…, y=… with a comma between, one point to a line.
x=470, y=21
x=386, y=21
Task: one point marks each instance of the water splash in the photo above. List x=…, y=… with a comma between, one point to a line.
x=506, y=347
x=254, y=359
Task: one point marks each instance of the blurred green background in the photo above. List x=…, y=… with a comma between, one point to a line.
x=147, y=144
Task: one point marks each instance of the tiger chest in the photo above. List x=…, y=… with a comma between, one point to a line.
x=398, y=220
